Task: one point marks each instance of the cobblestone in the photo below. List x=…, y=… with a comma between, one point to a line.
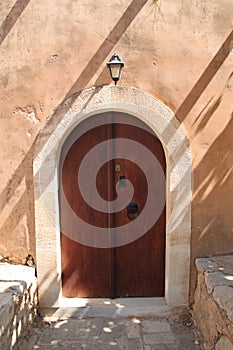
x=111, y=333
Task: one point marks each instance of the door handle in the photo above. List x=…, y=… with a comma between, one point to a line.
x=132, y=209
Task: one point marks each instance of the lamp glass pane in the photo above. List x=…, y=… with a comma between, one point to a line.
x=115, y=71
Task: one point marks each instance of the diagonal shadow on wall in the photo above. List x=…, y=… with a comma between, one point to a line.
x=12, y=18
x=106, y=47
x=23, y=204
x=200, y=86
x=205, y=78
x=22, y=172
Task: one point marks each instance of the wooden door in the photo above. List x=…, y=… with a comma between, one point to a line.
x=129, y=270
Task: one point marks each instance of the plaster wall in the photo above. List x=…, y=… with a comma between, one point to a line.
x=180, y=52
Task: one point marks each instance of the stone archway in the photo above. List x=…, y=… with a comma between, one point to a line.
x=179, y=171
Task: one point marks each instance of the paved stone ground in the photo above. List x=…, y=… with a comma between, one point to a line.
x=112, y=333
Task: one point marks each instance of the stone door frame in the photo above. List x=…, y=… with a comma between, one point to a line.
x=179, y=178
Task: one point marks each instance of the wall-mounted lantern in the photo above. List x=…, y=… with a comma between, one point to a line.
x=115, y=66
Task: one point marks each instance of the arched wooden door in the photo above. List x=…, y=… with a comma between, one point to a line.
x=136, y=269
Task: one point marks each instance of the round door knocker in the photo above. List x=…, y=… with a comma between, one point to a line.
x=132, y=209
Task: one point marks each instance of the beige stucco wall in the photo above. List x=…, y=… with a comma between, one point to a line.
x=180, y=52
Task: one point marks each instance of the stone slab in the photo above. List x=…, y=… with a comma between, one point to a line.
x=159, y=338
x=156, y=326
x=109, y=333
x=225, y=262
x=125, y=307
x=217, y=278
x=132, y=330
x=204, y=264
x=224, y=344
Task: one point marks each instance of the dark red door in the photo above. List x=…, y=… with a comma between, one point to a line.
x=130, y=262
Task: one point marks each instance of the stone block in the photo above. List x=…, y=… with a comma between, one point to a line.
x=213, y=307
x=223, y=295
x=5, y=340
x=18, y=289
x=14, y=287
x=6, y=311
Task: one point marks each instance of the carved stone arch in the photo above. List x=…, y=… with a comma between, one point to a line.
x=179, y=172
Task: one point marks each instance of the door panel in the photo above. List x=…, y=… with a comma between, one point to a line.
x=135, y=269
x=85, y=270
x=139, y=265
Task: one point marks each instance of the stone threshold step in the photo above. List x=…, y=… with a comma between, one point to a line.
x=121, y=307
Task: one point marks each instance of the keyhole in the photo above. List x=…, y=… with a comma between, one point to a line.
x=122, y=181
